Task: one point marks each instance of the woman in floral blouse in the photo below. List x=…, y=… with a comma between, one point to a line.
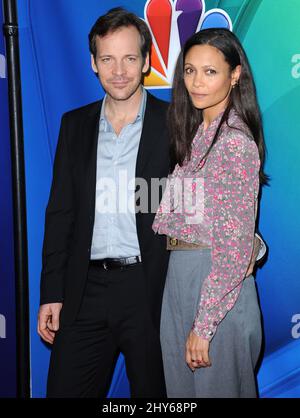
x=211, y=322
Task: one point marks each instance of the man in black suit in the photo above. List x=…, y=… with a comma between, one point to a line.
x=104, y=270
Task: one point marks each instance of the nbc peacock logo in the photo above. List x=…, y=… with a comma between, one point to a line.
x=171, y=23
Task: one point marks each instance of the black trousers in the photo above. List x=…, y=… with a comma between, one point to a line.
x=114, y=317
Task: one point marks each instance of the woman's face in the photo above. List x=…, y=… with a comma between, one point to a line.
x=208, y=78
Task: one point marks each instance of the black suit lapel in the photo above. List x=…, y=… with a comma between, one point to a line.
x=146, y=141
x=91, y=132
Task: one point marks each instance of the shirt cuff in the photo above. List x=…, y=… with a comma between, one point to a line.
x=263, y=248
x=205, y=332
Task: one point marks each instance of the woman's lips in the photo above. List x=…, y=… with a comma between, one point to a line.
x=198, y=96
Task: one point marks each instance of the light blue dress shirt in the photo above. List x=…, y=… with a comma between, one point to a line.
x=115, y=233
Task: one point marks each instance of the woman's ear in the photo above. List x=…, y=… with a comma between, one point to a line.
x=235, y=75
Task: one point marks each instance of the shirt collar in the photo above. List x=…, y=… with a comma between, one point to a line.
x=140, y=114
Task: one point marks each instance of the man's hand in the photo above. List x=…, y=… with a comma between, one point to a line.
x=196, y=354
x=48, y=321
x=255, y=252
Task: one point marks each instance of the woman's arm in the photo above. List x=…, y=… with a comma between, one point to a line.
x=234, y=194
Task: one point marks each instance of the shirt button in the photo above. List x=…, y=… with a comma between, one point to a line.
x=210, y=333
x=215, y=323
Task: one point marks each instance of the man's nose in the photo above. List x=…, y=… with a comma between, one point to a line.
x=119, y=68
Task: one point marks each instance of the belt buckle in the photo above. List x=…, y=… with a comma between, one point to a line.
x=174, y=242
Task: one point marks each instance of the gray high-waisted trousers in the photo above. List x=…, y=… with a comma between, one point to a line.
x=233, y=351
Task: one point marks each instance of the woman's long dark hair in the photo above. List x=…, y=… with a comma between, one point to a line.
x=184, y=119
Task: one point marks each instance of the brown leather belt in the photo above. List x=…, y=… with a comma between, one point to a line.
x=177, y=244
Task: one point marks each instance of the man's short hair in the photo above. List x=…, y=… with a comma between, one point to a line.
x=115, y=19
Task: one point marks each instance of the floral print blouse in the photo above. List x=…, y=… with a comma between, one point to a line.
x=225, y=188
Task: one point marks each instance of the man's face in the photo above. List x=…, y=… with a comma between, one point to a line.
x=119, y=62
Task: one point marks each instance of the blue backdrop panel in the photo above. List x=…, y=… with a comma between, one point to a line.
x=57, y=77
x=7, y=284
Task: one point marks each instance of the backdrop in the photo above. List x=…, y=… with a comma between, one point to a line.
x=56, y=77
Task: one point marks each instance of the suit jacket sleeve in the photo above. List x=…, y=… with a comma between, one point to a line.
x=59, y=223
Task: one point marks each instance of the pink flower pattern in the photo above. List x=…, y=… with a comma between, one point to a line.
x=231, y=183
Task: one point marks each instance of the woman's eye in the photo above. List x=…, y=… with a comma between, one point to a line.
x=188, y=71
x=210, y=71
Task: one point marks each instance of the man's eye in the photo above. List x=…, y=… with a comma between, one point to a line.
x=131, y=59
x=105, y=60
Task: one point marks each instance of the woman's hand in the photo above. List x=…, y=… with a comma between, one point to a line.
x=196, y=354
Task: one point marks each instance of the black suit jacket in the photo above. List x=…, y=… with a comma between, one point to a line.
x=70, y=211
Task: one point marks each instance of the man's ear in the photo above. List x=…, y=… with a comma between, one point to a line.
x=146, y=64
x=93, y=64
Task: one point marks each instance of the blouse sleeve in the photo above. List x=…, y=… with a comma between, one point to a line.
x=234, y=194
